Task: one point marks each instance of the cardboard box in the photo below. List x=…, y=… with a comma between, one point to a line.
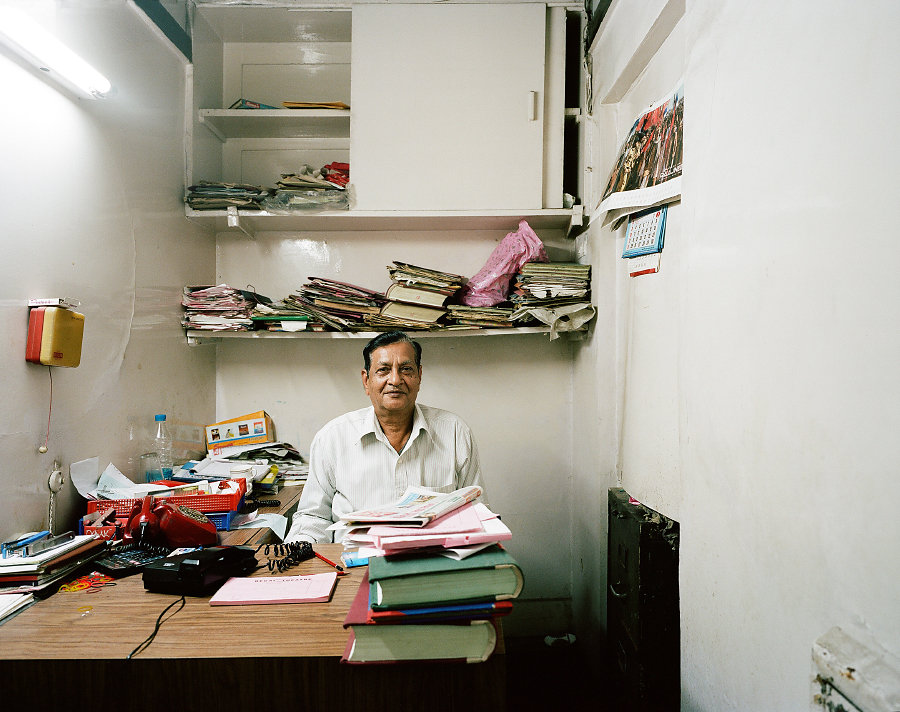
x=250, y=429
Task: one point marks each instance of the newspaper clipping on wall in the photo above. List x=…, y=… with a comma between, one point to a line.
x=647, y=171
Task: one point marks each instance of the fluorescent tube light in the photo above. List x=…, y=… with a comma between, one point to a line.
x=38, y=47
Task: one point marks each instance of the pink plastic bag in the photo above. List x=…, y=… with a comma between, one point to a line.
x=491, y=285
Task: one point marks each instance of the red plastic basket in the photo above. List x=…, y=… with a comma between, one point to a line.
x=200, y=502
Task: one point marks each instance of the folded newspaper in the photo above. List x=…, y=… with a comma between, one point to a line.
x=415, y=508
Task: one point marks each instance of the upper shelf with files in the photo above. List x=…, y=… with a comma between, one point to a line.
x=253, y=221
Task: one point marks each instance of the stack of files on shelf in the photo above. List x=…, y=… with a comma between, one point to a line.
x=41, y=570
x=550, y=285
x=211, y=195
x=480, y=317
x=337, y=305
x=219, y=308
x=416, y=298
x=437, y=583
x=431, y=607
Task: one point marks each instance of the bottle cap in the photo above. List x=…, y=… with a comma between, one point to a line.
x=161, y=416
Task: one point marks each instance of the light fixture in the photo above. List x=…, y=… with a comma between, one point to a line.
x=35, y=45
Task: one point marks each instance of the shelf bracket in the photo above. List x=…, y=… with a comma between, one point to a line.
x=234, y=222
x=213, y=130
x=577, y=219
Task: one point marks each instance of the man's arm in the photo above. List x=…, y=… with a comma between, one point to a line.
x=313, y=515
x=469, y=468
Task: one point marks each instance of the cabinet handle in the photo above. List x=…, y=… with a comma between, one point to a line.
x=532, y=106
x=615, y=593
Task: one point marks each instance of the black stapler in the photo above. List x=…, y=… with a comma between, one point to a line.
x=198, y=573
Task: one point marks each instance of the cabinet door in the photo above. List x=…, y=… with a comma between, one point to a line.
x=446, y=106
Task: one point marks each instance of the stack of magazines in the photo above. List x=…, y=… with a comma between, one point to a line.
x=219, y=308
x=210, y=195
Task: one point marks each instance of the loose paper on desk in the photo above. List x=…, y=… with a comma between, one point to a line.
x=257, y=520
x=242, y=590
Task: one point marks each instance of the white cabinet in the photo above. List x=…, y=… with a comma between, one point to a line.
x=456, y=110
x=448, y=106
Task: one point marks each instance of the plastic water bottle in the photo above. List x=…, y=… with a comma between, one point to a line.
x=163, y=445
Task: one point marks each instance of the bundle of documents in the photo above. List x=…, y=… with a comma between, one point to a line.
x=211, y=195
x=433, y=591
x=416, y=297
x=219, y=308
x=309, y=189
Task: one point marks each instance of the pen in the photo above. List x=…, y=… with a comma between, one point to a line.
x=327, y=561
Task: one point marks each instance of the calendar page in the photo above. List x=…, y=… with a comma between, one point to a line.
x=645, y=232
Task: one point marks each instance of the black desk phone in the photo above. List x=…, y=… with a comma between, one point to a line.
x=198, y=573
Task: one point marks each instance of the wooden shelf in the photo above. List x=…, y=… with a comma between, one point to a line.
x=252, y=221
x=277, y=123
x=196, y=337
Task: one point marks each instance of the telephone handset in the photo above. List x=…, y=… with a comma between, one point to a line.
x=170, y=524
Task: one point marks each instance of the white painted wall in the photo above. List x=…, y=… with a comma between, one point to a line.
x=757, y=371
x=92, y=210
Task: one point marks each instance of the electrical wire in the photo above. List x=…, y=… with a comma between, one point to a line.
x=159, y=621
x=49, y=410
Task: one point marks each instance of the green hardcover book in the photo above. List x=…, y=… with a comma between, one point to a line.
x=490, y=575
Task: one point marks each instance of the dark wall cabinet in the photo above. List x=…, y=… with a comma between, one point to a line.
x=642, y=606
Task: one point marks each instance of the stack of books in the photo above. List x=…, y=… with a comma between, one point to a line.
x=36, y=572
x=416, y=298
x=436, y=590
x=550, y=285
x=219, y=308
x=212, y=195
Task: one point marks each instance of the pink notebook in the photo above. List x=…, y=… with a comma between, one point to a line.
x=241, y=590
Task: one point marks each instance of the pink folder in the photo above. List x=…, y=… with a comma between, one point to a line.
x=242, y=590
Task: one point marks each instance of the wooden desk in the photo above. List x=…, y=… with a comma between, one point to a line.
x=58, y=654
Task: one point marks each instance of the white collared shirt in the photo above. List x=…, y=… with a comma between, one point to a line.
x=353, y=466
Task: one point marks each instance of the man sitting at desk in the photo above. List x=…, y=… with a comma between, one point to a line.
x=367, y=458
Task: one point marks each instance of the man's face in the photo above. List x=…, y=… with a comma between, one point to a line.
x=393, y=380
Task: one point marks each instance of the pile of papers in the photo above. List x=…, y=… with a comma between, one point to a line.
x=481, y=317
x=219, y=308
x=211, y=195
x=308, y=188
x=452, y=524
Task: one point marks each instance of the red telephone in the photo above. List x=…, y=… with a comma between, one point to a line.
x=172, y=525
